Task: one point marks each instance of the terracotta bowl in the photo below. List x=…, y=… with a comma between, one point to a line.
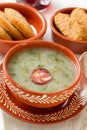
x=77, y=46
x=40, y=99
x=34, y=17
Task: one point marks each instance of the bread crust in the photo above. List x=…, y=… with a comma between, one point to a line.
x=13, y=32
x=19, y=21
x=62, y=22
x=4, y=35
x=72, y=25
x=80, y=15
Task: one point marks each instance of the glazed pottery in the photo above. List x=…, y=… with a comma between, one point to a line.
x=40, y=99
x=33, y=16
x=77, y=46
x=71, y=107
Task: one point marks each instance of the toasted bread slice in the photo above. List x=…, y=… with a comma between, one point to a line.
x=19, y=21
x=70, y=27
x=4, y=35
x=76, y=31
x=14, y=33
x=62, y=22
x=80, y=15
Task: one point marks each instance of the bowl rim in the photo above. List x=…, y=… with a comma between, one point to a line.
x=67, y=51
x=53, y=28
x=28, y=7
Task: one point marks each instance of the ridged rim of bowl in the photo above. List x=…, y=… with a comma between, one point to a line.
x=67, y=51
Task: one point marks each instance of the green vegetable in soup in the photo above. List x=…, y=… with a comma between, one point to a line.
x=60, y=67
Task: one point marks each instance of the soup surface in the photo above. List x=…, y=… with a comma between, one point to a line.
x=58, y=66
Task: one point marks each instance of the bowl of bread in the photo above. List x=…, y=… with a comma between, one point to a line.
x=19, y=23
x=69, y=28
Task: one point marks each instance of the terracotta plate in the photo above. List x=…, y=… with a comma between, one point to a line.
x=55, y=114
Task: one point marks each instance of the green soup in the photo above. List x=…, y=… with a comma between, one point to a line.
x=60, y=67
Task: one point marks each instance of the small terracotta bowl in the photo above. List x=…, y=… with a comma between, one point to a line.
x=40, y=99
x=33, y=16
x=77, y=46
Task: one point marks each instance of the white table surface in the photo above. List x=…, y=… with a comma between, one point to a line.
x=79, y=122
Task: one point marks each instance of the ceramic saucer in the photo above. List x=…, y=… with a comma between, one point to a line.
x=64, y=111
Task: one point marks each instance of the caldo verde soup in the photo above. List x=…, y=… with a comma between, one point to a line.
x=42, y=70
